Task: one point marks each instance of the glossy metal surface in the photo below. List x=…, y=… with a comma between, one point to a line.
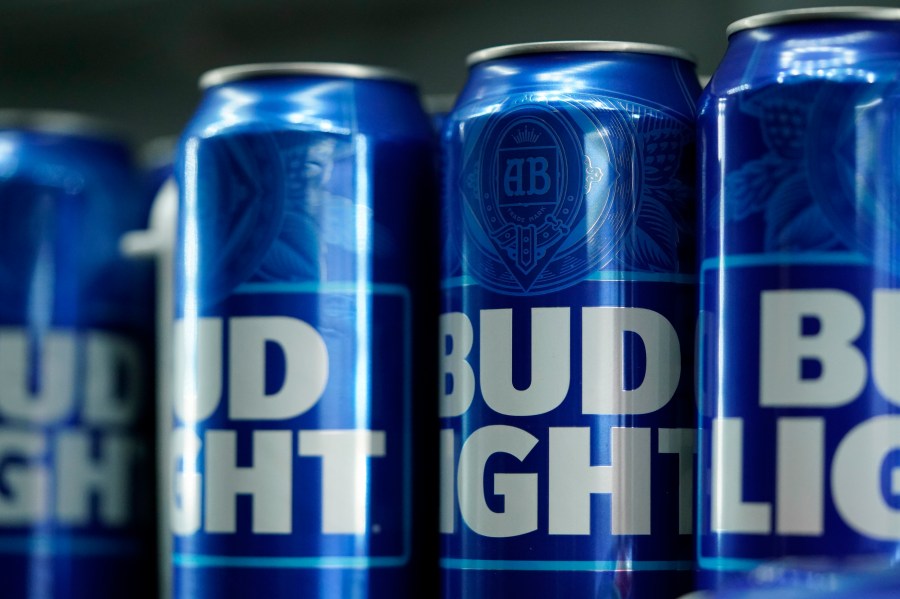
x=568, y=202
x=76, y=350
x=799, y=147
x=302, y=267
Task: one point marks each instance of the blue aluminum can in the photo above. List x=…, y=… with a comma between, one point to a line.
x=799, y=146
x=304, y=258
x=76, y=356
x=567, y=323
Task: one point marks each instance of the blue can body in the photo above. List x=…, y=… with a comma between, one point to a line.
x=825, y=578
x=567, y=322
x=799, y=142
x=76, y=356
x=302, y=264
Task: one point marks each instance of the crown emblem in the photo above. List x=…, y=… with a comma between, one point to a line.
x=526, y=135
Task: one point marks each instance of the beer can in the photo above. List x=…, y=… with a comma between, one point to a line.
x=799, y=147
x=566, y=334
x=76, y=351
x=299, y=455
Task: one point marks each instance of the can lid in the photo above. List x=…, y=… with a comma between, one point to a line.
x=576, y=46
x=830, y=13
x=287, y=69
x=62, y=122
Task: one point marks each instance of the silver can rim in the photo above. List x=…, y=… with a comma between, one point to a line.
x=508, y=50
x=63, y=122
x=341, y=70
x=829, y=13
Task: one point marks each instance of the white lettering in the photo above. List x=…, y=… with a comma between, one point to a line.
x=107, y=477
x=885, y=343
x=42, y=395
x=800, y=476
x=783, y=347
x=856, y=478
x=682, y=441
x=549, y=362
x=27, y=484
x=730, y=513
x=268, y=481
x=115, y=381
x=345, y=476
x=306, y=368
x=456, y=329
x=447, y=481
x=603, y=361
x=573, y=480
x=519, y=491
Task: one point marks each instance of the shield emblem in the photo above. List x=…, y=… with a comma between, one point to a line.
x=541, y=187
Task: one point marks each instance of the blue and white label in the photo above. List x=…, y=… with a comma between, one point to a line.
x=70, y=458
x=290, y=446
x=567, y=430
x=801, y=426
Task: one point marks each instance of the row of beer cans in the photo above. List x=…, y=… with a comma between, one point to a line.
x=595, y=334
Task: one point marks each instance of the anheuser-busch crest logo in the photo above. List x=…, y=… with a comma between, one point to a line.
x=554, y=191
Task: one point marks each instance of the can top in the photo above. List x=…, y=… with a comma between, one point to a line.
x=61, y=122
x=576, y=46
x=831, y=13
x=276, y=69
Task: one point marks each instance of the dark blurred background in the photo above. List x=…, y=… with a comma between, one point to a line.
x=137, y=61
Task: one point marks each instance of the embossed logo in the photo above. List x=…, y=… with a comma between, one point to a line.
x=527, y=168
x=523, y=202
x=553, y=191
x=525, y=187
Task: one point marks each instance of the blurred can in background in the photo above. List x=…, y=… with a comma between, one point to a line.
x=799, y=140
x=76, y=350
x=302, y=457
x=567, y=325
